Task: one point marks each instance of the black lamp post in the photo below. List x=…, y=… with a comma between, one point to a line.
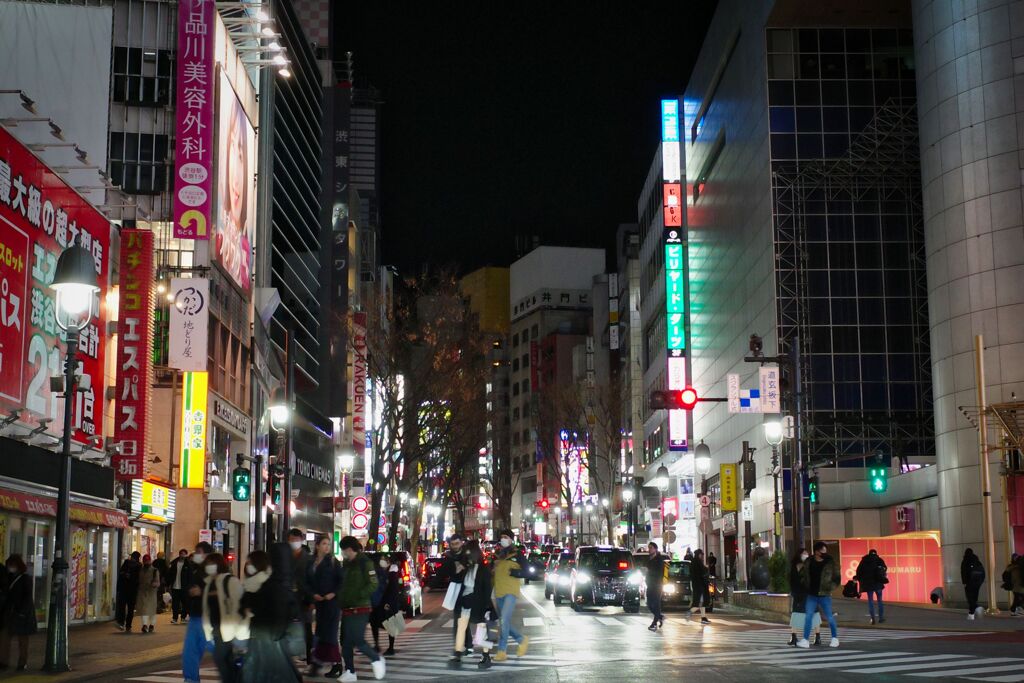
x=661, y=481
x=74, y=280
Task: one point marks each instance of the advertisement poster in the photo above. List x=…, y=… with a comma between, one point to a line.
x=193, y=158
x=914, y=561
x=40, y=215
x=236, y=189
x=194, y=395
x=78, y=580
x=189, y=324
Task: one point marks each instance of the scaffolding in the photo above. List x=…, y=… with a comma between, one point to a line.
x=882, y=165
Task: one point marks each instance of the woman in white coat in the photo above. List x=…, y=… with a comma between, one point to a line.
x=222, y=620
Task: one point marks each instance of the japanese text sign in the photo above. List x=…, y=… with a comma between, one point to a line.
x=194, y=396
x=673, y=204
x=189, y=324
x=359, y=381
x=770, y=394
x=727, y=479
x=134, y=360
x=193, y=158
x=41, y=215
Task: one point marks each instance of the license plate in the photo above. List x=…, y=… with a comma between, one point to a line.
x=609, y=596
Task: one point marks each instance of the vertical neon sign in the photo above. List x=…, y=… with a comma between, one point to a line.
x=675, y=270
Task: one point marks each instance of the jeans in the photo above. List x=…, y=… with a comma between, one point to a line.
x=178, y=606
x=192, y=651
x=353, y=635
x=506, y=606
x=872, y=596
x=654, y=603
x=825, y=603
x=224, y=658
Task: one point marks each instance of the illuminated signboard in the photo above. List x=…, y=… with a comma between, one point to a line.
x=677, y=418
x=193, y=430
x=673, y=205
x=671, y=163
x=573, y=449
x=675, y=268
x=153, y=501
x=670, y=120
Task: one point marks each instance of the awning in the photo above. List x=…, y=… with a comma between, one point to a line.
x=47, y=507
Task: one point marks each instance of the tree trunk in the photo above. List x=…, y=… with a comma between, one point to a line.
x=396, y=517
x=414, y=531
x=376, y=496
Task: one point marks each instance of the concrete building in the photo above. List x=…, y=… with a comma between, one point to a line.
x=971, y=149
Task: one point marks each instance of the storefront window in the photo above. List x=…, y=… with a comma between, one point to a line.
x=38, y=556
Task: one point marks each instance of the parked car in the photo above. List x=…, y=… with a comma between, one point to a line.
x=410, y=591
x=605, y=575
x=557, y=577
x=431, y=576
x=536, y=564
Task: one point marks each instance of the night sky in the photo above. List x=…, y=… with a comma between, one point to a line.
x=532, y=118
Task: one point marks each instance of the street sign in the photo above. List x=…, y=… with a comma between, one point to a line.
x=360, y=504
x=670, y=537
x=748, y=510
x=206, y=535
x=705, y=501
x=670, y=520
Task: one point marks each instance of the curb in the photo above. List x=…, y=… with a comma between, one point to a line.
x=777, y=618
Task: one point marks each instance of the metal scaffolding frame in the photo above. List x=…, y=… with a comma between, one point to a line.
x=883, y=165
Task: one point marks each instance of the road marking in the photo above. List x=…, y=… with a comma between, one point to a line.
x=418, y=623
x=978, y=670
x=882, y=661
x=937, y=665
x=1001, y=679
x=762, y=623
x=610, y=621
x=534, y=603
x=533, y=621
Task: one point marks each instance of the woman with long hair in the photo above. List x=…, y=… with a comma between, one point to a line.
x=475, y=605
x=798, y=593
x=324, y=577
x=232, y=242
x=18, y=616
x=222, y=620
x=385, y=601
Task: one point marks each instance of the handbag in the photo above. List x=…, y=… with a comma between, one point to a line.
x=486, y=634
x=451, y=598
x=395, y=624
x=850, y=589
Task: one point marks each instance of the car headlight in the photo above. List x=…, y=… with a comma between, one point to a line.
x=582, y=578
x=669, y=589
x=532, y=570
x=636, y=578
x=563, y=581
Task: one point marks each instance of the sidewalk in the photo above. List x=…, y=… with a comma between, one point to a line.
x=101, y=648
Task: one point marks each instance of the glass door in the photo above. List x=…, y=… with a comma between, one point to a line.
x=38, y=557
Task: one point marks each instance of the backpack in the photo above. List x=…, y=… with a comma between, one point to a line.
x=850, y=589
x=977, y=573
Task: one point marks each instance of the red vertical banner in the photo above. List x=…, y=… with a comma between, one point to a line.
x=359, y=382
x=134, y=362
x=193, y=157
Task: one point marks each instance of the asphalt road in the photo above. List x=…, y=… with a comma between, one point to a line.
x=606, y=645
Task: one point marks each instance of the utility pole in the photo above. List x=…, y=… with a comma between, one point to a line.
x=986, y=487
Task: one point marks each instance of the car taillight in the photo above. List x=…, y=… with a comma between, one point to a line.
x=405, y=577
x=623, y=565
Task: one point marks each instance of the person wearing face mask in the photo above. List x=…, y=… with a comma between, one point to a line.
x=508, y=572
x=196, y=643
x=820, y=577
x=385, y=601
x=699, y=584
x=222, y=619
x=300, y=588
x=18, y=615
x=324, y=579
x=268, y=606
x=178, y=578
x=655, y=580
x=475, y=605
x=359, y=581
x=149, y=584
x=453, y=569
x=799, y=596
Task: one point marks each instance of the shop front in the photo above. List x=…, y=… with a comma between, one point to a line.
x=153, y=506
x=230, y=429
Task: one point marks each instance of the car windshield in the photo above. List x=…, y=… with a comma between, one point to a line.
x=606, y=560
x=543, y=557
x=565, y=561
x=678, y=569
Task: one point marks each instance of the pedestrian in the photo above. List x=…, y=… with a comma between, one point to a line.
x=712, y=564
x=385, y=601
x=819, y=577
x=178, y=578
x=474, y=605
x=699, y=586
x=268, y=606
x=1013, y=580
x=655, y=581
x=222, y=618
x=872, y=575
x=799, y=597
x=450, y=572
x=300, y=561
x=688, y=555
x=972, y=573
x=359, y=580
x=196, y=643
x=127, y=591
x=508, y=572
x=18, y=615
x=160, y=564
x=146, y=597
x=323, y=576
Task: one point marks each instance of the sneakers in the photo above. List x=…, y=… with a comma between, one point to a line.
x=803, y=643
x=970, y=617
x=652, y=627
x=390, y=652
x=484, y=663
x=348, y=677
x=379, y=667
x=501, y=656
x=872, y=621
x=523, y=647
x=834, y=642
x=174, y=620
x=120, y=627
x=705, y=620
x=881, y=620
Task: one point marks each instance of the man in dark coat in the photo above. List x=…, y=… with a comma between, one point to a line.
x=872, y=575
x=972, y=573
x=178, y=578
x=270, y=604
x=160, y=565
x=453, y=569
x=300, y=588
x=127, y=589
x=655, y=579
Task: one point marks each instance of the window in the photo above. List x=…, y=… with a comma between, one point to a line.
x=526, y=386
x=709, y=165
x=515, y=414
x=138, y=162
x=515, y=365
x=535, y=332
x=515, y=389
x=526, y=360
x=142, y=77
x=515, y=340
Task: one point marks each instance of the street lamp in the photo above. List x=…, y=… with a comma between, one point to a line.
x=627, y=498
x=773, y=434
x=74, y=280
x=661, y=481
x=702, y=464
x=280, y=419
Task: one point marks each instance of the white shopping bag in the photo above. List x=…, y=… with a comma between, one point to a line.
x=451, y=598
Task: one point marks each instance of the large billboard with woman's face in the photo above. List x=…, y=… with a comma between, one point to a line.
x=236, y=189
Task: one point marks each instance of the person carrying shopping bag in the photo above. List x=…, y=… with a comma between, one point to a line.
x=222, y=618
x=268, y=609
x=475, y=606
x=508, y=569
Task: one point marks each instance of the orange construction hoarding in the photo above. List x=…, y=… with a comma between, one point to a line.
x=914, y=560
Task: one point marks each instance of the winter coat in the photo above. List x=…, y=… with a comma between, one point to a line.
x=508, y=561
x=359, y=581
x=655, y=571
x=324, y=578
x=229, y=596
x=698, y=577
x=796, y=589
x=268, y=607
x=972, y=572
x=830, y=576
x=149, y=585
x=388, y=594
x=870, y=573
x=1016, y=573
x=300, y=586
x=196, y=580
x=18, y=615
x=161, y=567
x=187, y=566
x=128, y=577
x=478, y=602
x=449, y=570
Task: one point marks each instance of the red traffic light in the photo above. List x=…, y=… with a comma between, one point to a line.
x=544, y=504
x=688, y=398
x=674, y=399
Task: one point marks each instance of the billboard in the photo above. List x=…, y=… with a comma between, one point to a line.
x=574, y=456
x=193, y=158
x=194, y=396
x=914, y=561
x=358, y=389
x=189, y=324
x=236, y=189
x=134, y=360
x=40, y=215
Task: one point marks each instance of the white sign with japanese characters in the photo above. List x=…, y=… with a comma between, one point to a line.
x=189, y=324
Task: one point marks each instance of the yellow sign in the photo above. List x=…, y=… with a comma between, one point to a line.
x=192, y=470
x=727, y=479
x=153, y=501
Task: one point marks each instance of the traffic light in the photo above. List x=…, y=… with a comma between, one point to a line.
x=812, y=490
x=878, y=478
x=275, y=489
x=241, y=480
x=544, y=504
x=674, y=399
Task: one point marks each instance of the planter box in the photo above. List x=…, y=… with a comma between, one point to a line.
x=765, y=602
